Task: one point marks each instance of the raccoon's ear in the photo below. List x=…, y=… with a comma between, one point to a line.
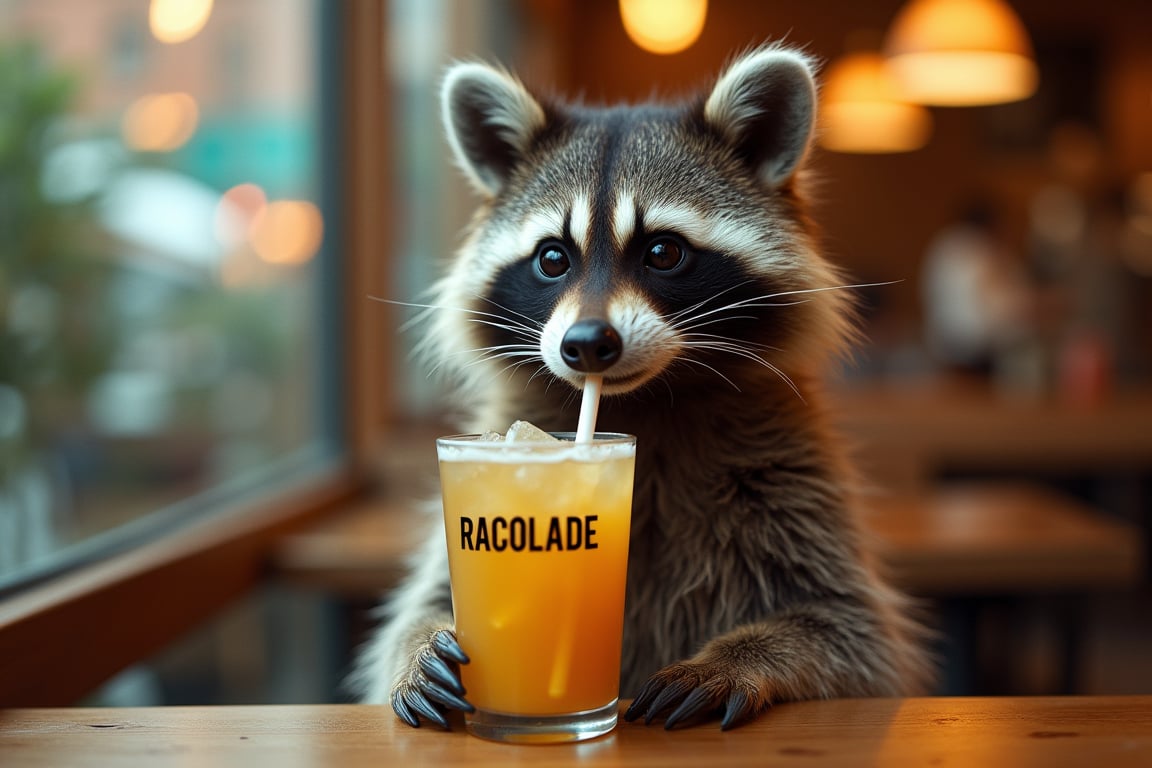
x=765, y=106
x=490, y=118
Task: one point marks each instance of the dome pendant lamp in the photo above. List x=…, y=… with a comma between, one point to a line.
x=960, y=53
x=862, y=111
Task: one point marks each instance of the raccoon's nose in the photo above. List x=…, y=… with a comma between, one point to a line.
x=591, y=346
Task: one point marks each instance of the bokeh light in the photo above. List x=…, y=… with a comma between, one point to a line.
x=236, y=212
x=961, y=53
x=287, y=232
x=174, y=21
x=663, y=26
x=862, y=109
x=160, y=122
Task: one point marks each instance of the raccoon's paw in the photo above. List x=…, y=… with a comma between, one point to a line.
x=432, y=681
x=693, y=688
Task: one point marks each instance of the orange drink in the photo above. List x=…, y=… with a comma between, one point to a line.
x=538, y=549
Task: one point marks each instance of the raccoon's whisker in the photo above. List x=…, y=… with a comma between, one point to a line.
x=791, y=384
x=754, y=302
x=684, y=327
x=542, y=369
x=751, y=301
x=825, y=288
x=535, y=373
x=415, y=320
x=573, y=397
x=535, y=328
x=507, y=324
x=705, y=365
x=514, y=367
x=503, y=349
x=742, y=351
x=497, y=304
x=490, y=354
x=497, y=352
x=531, y=334
x=486, y=358
x=419, y=317
x=700, y=304
x=764, y=301
x=430, y=307
x=728, y=347
x=730, y=340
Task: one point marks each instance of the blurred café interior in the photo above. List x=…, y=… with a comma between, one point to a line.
x=212, y=428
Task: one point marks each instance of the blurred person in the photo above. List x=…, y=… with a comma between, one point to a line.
x=975, y=296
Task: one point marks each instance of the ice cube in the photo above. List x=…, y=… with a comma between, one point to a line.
x=491, y=436
x=524, y=432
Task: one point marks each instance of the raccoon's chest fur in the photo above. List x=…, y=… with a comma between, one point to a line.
x=698, y=564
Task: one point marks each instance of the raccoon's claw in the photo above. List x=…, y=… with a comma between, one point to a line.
x=666, y=698
x=402, y=711
x=446, y=645
x=690, y=690
x=646, y=696
x=438, y=671
x=661, y=691
x=443, y=696
x=416, y=701
x=740, y=706
x=695, y=702
x=432, y=682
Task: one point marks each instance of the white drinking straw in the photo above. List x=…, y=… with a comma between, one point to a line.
x=589, y=405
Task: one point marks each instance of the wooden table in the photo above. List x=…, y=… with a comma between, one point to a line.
x=960, y=544
x=969, y=539
x=1100, y=732
x=909, y=435
x=993, y=538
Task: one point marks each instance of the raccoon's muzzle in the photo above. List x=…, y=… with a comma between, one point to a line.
x=591, y=345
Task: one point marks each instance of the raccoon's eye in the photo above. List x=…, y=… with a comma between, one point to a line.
x=552, y=260
x=664, y=254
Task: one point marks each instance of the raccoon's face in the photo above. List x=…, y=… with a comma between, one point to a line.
x=635, y=241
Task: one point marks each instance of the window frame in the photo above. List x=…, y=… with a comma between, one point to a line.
x=62, y=638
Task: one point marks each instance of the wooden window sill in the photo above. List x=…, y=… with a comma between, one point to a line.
x=61, y=639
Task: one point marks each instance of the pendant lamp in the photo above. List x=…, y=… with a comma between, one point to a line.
x=863, y=111
x=960, y=53
x=663, y=26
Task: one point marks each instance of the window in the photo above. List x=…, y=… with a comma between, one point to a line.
x=168, y=240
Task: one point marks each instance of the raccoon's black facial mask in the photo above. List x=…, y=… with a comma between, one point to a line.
x=626, y=239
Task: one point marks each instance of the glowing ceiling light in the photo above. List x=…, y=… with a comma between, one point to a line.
x=160, y=122
x=174, y=21
x=961, y=53
x=861, y=109
x=287, y=232
x=663, y=26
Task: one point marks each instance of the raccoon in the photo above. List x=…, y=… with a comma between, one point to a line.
x=666, y=247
